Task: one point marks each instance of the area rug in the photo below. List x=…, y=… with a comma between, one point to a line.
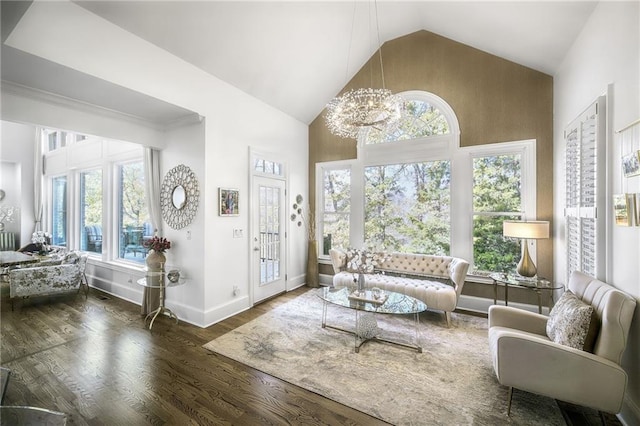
x=450, y=382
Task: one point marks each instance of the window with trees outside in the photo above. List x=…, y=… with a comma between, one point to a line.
x=133, y=217
x=91, y=211
x=101, y=183
x=59, y=211
x=497, y=187
x=336, y=193
x=413, y=189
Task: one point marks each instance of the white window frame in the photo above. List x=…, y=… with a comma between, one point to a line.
x=440, y=148
x=321, y=168
x=527, y=151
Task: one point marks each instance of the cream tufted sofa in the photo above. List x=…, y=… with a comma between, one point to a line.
x=435, y=280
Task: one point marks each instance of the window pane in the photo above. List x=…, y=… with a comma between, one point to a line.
x=491, y=251
x=91, y=211
x=407, y=207
x=133, y=216
x=336, y=200
x=419, y=120
x=59, y=211
x=497, y=183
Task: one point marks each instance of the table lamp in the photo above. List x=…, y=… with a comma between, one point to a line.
x=532, y=230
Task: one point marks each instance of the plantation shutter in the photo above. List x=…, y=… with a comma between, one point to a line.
x=585, y=192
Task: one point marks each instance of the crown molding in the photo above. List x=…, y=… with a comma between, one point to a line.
x=86, y=107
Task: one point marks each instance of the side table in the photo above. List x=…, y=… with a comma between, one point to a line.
x=536, y=284
x=161, y=280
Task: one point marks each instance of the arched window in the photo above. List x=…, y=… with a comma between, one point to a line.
x=412, y=188
x=407, y=178
x=421, y=119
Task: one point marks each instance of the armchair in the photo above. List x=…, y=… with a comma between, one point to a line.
x=525, y=358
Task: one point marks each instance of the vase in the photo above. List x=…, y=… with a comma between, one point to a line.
x=155, y=266
x=312, y=265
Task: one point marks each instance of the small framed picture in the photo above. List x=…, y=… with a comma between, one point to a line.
x=631, y=164
x=228, y=202
x=622, y=208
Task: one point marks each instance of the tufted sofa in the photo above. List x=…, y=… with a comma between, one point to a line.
x=435, y=280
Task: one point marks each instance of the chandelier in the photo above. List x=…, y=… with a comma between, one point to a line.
x=357, y=109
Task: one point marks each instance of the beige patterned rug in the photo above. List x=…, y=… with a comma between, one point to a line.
x=450, y=383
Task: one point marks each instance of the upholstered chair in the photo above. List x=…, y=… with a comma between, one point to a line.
x=526, y=358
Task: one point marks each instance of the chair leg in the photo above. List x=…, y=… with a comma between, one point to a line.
x=603, y=420
x=510, y=397
x=447, y=316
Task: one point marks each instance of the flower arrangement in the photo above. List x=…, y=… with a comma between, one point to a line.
x=298, y=215
x=41, y=239
x=157, y=244
x=363, y=261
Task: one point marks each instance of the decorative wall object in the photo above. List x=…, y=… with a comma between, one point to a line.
x=631, y=164
x=179, y=197
x=228, y=202
x=622, y=209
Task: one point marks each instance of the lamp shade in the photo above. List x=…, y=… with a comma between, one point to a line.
x=534, y=230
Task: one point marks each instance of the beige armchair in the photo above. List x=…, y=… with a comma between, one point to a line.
x=525, y=358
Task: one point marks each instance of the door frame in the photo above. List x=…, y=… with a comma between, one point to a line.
x=284, y=177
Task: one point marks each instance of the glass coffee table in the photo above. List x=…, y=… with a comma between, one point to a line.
x=366, y=305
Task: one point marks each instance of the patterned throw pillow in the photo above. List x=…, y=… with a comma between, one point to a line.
x=569, y=321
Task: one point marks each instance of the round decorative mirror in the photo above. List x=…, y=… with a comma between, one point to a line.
x=179, y=197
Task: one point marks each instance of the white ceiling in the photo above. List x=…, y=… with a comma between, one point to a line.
x=297, y=55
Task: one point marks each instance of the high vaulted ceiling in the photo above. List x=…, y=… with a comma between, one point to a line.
x=297, y=55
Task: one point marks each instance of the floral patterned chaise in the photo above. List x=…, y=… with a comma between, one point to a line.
x=44, y=280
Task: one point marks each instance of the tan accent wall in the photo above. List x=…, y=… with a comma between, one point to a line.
x=495, y=100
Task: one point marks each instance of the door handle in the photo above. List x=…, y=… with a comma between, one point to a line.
x=256, y=249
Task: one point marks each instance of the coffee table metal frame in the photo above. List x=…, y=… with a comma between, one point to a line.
x=396, y=304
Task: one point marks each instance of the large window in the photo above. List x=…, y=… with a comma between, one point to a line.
x=334, y=216
x=96, y=196
x=413, y=189
x=133, y=218
x=497, y=188
x=59, y=211
x=91, y=211
x=407, y=207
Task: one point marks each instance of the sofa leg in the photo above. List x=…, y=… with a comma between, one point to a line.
x=447, y=316
x=509, y=397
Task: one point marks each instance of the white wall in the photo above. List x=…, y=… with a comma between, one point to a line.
x=606, y=52
x=218, y=152
x=16, y=153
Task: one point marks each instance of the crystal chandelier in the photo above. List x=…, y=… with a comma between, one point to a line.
x=359, y=108
x=356, y=109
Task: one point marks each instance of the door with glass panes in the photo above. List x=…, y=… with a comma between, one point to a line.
x=268, y=237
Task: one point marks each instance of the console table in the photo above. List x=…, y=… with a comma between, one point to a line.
x=535, y=284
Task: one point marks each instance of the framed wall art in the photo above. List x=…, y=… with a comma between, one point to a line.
x=228, y=202
x=623, y=209
x=631, y=164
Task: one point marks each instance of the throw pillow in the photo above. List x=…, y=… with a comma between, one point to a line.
x=569, y=321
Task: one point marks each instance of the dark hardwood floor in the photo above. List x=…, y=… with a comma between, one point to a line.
x=95, y=360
